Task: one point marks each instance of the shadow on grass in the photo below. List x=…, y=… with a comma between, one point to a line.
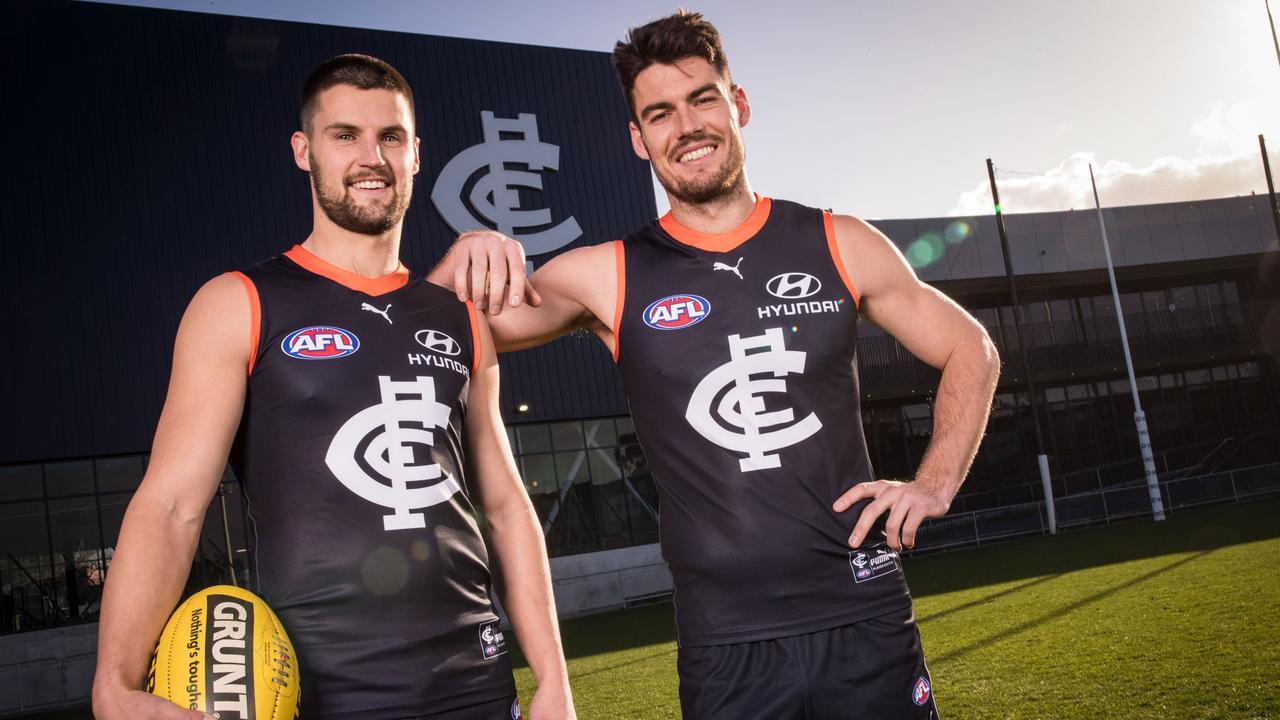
x=1192, y=530
x=1031, y=623
x=613, y=632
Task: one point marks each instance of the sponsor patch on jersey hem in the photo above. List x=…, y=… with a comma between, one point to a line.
x=871, y=563
x=492, y=641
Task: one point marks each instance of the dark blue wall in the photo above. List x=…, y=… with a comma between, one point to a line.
x=148, y=151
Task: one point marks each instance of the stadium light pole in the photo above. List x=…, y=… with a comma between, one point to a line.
x=1272, y=202
x=1272, y=20
x=1042, y=460
x=1139, y=418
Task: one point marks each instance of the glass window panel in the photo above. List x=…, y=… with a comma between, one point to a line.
x=1209, y=294
x=1154, y=301
x=112, y=506
x=1036, y=312
x=77, y=570
x=69, y=478
x=1181, y=298
x=1054, y=394
x=1131, y=303
x=1219, y=374
x=625, y=426
x=1147, y=383
x=605, y=434
x=1059, y=310
x=539, y=473
x=20, y=482
x=1196, y=377
x=1230, y=292
x=74, y=523
x=604, y=466
x=1077, y=392
x=22, y=529
x=572, y=467
x=1249, y=370
x=533, y=439
x=119, y=474
x=1103, y=306
x=567, y=435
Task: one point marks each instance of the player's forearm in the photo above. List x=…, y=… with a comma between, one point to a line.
x=148, y=570
x=960, y=413
x=527, y=596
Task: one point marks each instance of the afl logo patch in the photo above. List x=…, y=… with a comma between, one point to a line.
x=675, y=312
x=436, y=341
x=319, y=342
x=793, y=285
x=920, y=693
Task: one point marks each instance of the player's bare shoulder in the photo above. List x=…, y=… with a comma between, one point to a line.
x=871, y=260
x=588, y=276
x=219, y=317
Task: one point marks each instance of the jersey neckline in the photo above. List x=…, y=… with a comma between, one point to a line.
x=374, y=287
x=723, y=242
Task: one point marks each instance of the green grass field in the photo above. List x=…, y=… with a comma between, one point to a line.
x=1175, y=620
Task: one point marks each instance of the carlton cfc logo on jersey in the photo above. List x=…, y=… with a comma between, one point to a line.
x=320, y=342
x=675, y=312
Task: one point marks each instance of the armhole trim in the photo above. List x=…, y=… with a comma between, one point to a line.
x=829, y=226
x=620, y=271
x=255, y=317
x=475, y=337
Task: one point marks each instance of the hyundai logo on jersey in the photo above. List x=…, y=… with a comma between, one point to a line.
x=674, y=312
x=436, y=341
x=793, y=285
x=319, y=342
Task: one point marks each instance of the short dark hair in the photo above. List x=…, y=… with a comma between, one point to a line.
x=363, y=71
x=684, y=34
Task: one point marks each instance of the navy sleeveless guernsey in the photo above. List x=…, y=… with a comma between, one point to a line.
x=364, y=539
x=738, y=353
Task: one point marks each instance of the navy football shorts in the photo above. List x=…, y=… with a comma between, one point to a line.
x=870, y=670
x=505, y=709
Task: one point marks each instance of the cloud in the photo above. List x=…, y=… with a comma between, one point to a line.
x=1227, y=163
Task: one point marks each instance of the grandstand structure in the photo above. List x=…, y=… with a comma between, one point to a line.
x=1199, y=287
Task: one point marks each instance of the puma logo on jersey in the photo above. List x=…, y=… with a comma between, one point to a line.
x=383, y=313
x=729, y=268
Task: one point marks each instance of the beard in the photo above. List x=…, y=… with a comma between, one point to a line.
x=374, y=219
x=704, y=190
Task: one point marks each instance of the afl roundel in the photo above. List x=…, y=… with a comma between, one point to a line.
x=319, y=342
x=675, y=312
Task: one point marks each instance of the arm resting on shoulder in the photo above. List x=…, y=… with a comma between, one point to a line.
x=576, y=289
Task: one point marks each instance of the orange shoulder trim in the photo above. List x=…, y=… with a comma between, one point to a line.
x=369, y=286
x=255, y=316
x=724, y=242
x=476, y=347
x=620, y=270
x=829, y=225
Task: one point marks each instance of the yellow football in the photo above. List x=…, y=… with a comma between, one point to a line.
x=225, y=653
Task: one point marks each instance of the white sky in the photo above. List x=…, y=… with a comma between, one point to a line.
x=889, y=109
